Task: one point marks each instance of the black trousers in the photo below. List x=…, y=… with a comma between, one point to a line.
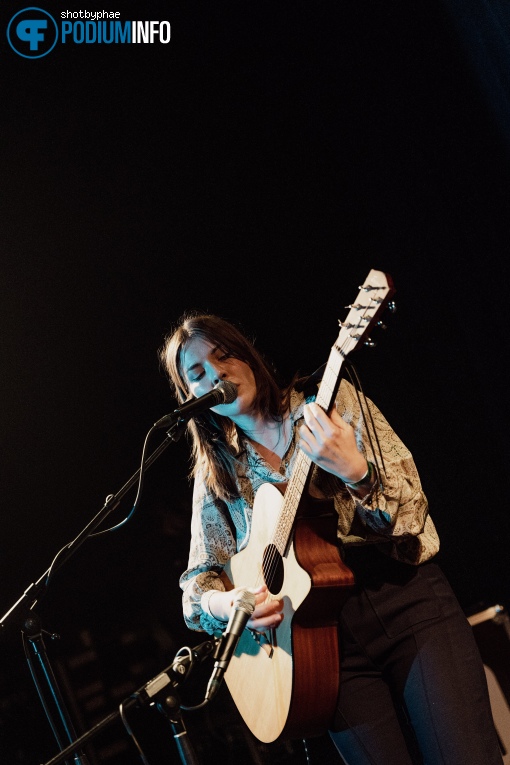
x=412, y=689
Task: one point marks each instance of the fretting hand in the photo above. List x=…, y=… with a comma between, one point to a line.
x=330, y=442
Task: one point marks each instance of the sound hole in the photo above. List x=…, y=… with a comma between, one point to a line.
x=272, y=569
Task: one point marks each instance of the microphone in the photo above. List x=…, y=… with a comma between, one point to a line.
x=223, y=393
x=244, y=606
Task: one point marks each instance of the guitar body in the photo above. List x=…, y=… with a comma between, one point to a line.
x=285, y=683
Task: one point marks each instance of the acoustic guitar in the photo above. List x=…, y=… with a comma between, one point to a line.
x=285, y=682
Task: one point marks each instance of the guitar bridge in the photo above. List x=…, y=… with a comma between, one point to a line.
x=265, y=643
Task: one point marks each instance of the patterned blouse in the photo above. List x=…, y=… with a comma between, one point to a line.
x=395, y=512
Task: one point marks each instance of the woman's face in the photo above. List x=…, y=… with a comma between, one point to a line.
x=204, y=365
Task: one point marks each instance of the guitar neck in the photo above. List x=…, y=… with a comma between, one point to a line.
x=363, y=314
x=303, y=467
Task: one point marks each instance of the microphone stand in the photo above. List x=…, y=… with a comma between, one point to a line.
x=155, y=693
x=23, y=615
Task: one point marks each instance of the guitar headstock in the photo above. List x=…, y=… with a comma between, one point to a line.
x=373, y=298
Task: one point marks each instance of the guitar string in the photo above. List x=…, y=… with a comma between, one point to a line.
x=273, y=559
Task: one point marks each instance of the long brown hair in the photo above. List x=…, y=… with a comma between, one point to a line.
x=213, y=437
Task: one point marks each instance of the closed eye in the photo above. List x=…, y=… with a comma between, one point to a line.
x=224, y=357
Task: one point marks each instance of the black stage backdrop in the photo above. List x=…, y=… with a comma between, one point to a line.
x=258, y=165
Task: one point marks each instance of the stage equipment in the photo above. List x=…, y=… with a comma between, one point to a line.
x=491, y=628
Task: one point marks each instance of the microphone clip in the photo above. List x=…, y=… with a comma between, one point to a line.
x=167, y=682
x=177, y=428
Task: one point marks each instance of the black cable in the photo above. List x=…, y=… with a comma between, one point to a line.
x=141, y=475
x=130, y=733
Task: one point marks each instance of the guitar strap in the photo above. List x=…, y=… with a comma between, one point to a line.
x=310, y=385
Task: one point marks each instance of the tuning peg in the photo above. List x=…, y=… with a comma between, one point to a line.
x=351, y=325
x=381, y=325
x=369, y=343
x=392, y=306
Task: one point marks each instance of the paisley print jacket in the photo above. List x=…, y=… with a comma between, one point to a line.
x=394, y=515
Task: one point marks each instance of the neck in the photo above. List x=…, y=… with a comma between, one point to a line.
x=268, y=434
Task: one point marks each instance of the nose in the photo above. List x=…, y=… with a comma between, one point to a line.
x=218, y=375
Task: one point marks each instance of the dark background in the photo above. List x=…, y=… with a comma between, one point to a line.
x=258, y=166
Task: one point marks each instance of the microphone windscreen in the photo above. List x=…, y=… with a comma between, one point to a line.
x=245, y=601
x=229, y=390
